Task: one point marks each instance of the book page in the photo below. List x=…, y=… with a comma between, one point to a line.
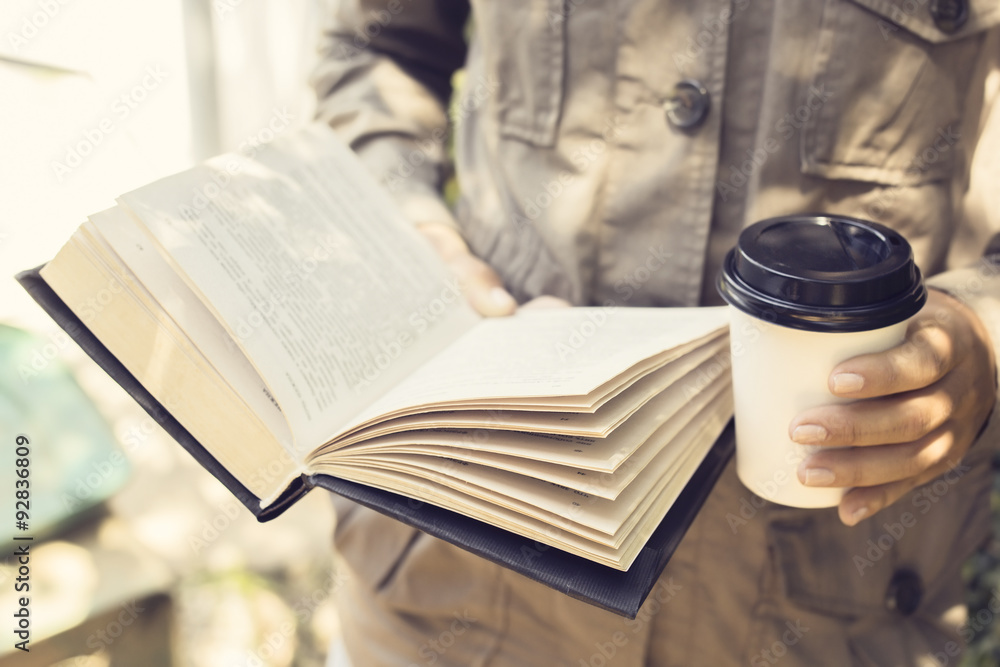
x=610, y=517
x=133, y=249
x=332, y=295
x=601, y=530
x=553, y=531
x=544, y=527
x=556, y=424
x=600, y=453
x=113, y=307
x=622, y=455
x=554, y=352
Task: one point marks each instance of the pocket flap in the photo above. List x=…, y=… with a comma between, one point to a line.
x=917, y=17
x=895, y=97
x=814, y=558
x=524, y=44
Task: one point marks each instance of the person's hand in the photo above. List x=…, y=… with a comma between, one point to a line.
x=480, y=284
x=925, y=402
x=544, y=302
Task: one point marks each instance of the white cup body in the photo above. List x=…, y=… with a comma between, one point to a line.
x=777, y=373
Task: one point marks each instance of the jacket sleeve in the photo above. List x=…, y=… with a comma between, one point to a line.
x=383, y=83
x=976, y=240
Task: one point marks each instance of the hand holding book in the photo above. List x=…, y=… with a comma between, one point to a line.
x=481, y=286
x=294, y=323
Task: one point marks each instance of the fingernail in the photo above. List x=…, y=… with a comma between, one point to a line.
x=501, y=299
x=847, y=383
x=859, y=514
x=809, y=434
x=819, y=477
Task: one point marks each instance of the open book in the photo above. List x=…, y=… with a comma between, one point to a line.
x=299, y=330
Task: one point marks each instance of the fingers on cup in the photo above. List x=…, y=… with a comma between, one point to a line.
x=875, y=466
x=927, y=354
x=897, y=419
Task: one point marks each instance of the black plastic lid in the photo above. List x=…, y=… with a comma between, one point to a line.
x=823, y=273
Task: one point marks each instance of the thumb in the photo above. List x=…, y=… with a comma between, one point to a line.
x=480, y=284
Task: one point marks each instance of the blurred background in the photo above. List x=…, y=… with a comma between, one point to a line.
x=139, y=556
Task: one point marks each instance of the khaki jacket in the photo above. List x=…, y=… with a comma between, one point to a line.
x=609, y=153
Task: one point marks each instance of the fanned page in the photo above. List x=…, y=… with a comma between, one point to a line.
x=553, y=424
x=564, y=460
x=551, y=353
x=628, y=449
x=636, y=513
x=331, y=294
x=590, y=510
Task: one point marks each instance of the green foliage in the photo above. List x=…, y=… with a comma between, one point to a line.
x=982, y=576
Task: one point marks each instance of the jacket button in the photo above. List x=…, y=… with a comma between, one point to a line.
x=904, y=592
x=688, y=105
x=949, y=15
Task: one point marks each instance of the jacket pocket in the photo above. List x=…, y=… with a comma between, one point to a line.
x=827, y=568
x=814, y=559
x=887, y=90
x=524, y=47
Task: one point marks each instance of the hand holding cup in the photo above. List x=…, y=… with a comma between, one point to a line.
x=807, y=293
x=916, y=409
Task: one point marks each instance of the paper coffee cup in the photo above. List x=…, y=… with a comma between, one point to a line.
x=806, y=293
